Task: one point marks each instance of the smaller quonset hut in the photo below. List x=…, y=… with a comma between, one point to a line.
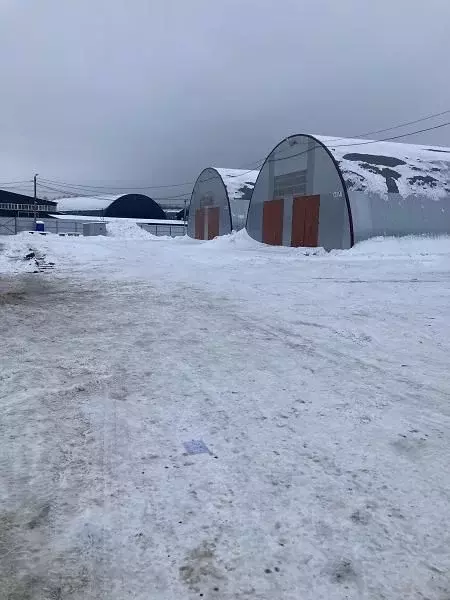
x=219, y=202
x=333, y=192
x=131, y=206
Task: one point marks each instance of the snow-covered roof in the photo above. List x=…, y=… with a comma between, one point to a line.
x=239, y=184
x=86, y=203
x=173, y=203
x=383, y=167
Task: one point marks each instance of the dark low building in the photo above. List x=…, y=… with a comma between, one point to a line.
x=182, y=214
x=19, y=205
x=132, y=206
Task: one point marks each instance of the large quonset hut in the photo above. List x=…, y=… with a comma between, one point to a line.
x=219, y=202
x=132, y=206
x=334, y=192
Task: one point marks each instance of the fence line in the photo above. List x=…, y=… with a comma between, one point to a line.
x=160, y=230
x=13, y=225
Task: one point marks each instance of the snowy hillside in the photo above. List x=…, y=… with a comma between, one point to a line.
x=317, y=383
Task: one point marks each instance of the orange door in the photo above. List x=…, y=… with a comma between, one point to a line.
x=213, y=222
x=200, y=224
x=298, y=222
x=305, y=221
x=273, y=222
x=312, y=221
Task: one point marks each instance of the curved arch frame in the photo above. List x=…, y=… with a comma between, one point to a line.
x=330, y=154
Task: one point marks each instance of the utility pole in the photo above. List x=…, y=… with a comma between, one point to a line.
x=184, y=216
x=35, y=199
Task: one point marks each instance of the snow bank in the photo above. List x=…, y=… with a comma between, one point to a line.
x=237, y=239
x=127, y=230
x=408, y=246
x=240, y=240
x=13, y=250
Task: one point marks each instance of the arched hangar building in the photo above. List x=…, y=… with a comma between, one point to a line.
x=219, y=202
x=334, y=192
x=132, y=206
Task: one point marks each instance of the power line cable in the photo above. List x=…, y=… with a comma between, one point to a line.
x=111, y=187
x=362, y=143
x=15, y=188
x=106, y=197
x=15, y=182
x=262, y=160
x=132, y=188
x=72, y=194
x=395, y=137
x=360, y=135
x=444, y=112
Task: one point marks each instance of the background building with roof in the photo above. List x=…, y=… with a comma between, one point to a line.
x=175, y=207
x=136, y=206
x=19, y=205
x=334, y=192
x=219, y=202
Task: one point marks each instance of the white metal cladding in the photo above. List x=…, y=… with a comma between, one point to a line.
x=227, y=189
x=385, y=188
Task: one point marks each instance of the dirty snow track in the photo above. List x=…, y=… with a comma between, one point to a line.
x=319, y=384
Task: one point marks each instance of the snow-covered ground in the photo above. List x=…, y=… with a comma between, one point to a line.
x=319, y=382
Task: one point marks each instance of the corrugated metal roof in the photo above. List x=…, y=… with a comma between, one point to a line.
x=391, y=167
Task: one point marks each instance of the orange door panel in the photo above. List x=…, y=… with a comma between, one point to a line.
x=200, y=224
x=305, y=221
x=312, y=221
x=213, y=222
x=273, y=222
x=298, y=222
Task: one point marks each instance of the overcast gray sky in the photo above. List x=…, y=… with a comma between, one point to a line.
x=153, y=91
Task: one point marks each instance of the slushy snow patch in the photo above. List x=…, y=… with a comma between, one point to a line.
x=319, y=385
